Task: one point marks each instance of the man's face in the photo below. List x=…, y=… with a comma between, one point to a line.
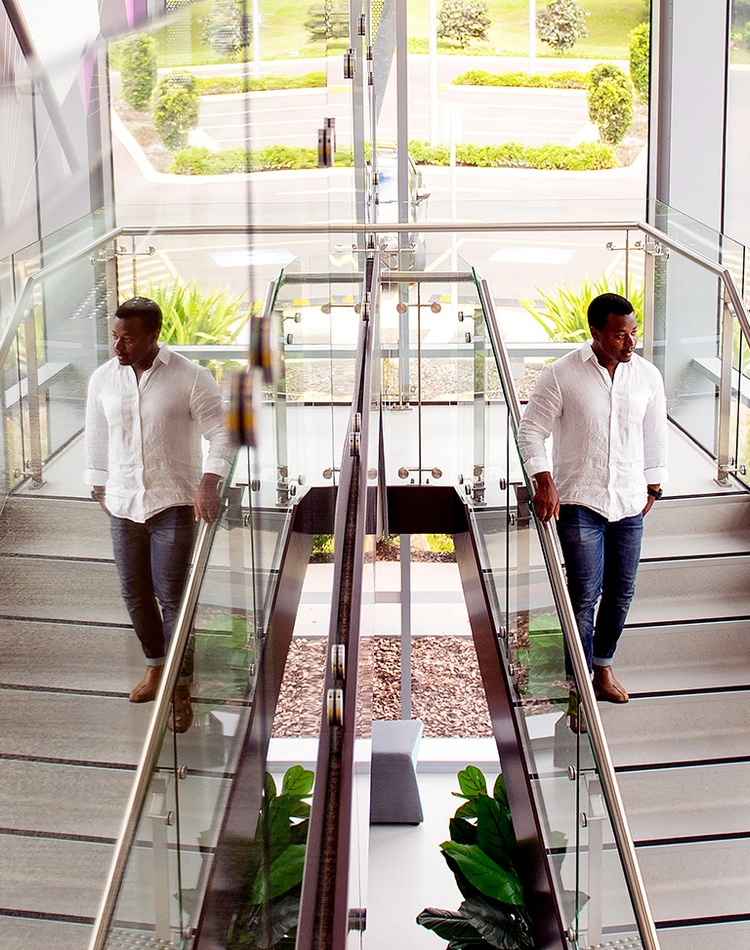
x=616, y=342
x=133, y=344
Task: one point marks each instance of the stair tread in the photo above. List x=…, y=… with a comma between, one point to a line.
x=659, y=730
x=680, y=657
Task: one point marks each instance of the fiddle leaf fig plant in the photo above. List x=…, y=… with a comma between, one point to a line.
x=273, y=865
x=483, y=855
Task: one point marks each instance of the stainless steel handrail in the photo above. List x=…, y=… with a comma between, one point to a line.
x=623, y=837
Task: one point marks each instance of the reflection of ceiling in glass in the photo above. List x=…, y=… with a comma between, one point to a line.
x=62, y=34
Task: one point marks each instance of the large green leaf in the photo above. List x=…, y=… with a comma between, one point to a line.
x=507, y=931
x=495, y=832
x=487, y=876
x=275, y=831
x=472, y=783
x=284, y=874
x=280, y=920
x=464, y=885
x=297, y=782
x=462, y=831
x=451, y=925
x=499, y=792
x=269, y=787
x=467, y=810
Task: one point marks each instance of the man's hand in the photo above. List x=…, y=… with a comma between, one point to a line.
x=99, y=493
x=649, y=500
x=546, y=500
x=207, y=498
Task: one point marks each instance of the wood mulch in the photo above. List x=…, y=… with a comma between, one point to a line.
x=447, y=693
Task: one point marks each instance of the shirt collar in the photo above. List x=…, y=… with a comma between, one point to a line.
x=587, y=353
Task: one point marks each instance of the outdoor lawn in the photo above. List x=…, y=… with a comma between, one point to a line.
x=283, y=33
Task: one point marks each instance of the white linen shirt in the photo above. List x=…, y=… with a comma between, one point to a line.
x=143, y=438
x=609, y=436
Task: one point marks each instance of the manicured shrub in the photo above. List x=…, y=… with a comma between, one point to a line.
x=603, y=71
x=463, y=21
x=640, y=40
x=176, y=108
x=228, y=29
x=561, y=24
x=223, y=85
x=611, y=108
x=587, y=156
x=137, y=70
x=328, y=21
x=568, y=79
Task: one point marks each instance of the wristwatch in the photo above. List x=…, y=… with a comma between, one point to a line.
x=655, y=492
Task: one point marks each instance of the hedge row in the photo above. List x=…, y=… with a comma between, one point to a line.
x=569, y=79
x=221, y=85
x=588, y=156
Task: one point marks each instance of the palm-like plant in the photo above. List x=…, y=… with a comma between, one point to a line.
x=563, y=313
x=193, y=318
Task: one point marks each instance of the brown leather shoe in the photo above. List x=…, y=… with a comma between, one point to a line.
x=182, y=710
x=148, y=687
x=607, y=687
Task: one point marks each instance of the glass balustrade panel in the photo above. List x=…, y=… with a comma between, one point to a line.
x=559, y=760
x=687, y=346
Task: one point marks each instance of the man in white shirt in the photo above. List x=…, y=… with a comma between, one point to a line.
x=146, y=411
x=605, y=408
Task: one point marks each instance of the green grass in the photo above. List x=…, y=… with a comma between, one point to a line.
x=284, y=35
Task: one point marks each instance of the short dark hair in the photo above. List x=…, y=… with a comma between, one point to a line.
x=148, y=310
x=601, y=307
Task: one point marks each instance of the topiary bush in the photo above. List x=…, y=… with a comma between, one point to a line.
x=463, y=21
x=603, y=71
x=610, y=104
x=137, y=59
x=640, y=65
x=561, y=24
x=228, y=29
x=176, y=108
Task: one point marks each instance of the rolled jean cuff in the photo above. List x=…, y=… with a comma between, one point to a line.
x=155, y=661
x=598, y=662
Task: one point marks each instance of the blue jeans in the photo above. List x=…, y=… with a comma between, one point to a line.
x=152, y=560
x=601, y=559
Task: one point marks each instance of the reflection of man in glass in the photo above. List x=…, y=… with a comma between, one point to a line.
x=147, y=409
x=605, y=408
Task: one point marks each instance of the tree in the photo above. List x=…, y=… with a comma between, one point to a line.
x=228, y=28
x=176, y=108
x=640, y=40
x=561, y=24
x=137, y=70
x=463, y=21
x=611, y=107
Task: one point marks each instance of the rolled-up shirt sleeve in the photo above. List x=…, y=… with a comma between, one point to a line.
x=543, y=409
x=655, y=436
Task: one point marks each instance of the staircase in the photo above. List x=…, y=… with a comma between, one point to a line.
x=70, y=740
x=681, y=747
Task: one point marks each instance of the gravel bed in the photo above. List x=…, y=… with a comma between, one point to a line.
x=447, y=693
